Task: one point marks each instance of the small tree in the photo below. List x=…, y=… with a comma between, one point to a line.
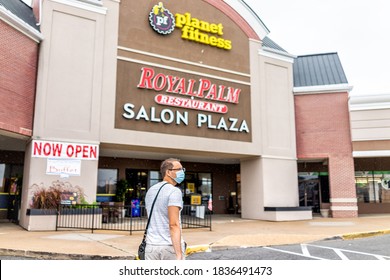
x=121, y=189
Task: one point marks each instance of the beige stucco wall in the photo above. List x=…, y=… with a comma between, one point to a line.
x=276, y=107
x=69, y=90
x=370, y=117
x=270, y=183
x=70, y=72
x=271, y=179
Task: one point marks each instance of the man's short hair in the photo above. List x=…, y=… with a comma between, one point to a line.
x=166, y=165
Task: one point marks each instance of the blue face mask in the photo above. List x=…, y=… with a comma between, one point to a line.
x=180, y=176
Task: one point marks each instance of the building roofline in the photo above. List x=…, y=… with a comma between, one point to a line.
x=332, y=88
x=369, y=102
x=256, y=15
x=318, y=54
x=319, y=70
x=250, y=17
x=19, y=24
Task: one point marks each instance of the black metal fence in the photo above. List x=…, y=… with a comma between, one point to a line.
x=119, y=217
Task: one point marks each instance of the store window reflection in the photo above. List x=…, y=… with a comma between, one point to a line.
x=205, y=189
x=155, y=177
x=373, y=186
x=197, y=184
x=107, y=179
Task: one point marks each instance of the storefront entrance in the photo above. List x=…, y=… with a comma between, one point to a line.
x=137, y=185
x=203, y=182
x=140, y=180
x=11, y=177
x=314, y=190
x=309, y=194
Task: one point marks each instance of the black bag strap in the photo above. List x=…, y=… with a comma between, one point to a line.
x=151, y=210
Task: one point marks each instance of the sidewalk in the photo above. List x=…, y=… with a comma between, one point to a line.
x=227, y=232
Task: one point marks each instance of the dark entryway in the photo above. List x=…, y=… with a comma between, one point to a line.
x=313, y=190
x=138, y=184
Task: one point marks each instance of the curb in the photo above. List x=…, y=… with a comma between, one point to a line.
x=350, y=236
x=38, y=255
x=197, y=249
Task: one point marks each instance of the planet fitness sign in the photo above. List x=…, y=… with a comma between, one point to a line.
x=193, y=29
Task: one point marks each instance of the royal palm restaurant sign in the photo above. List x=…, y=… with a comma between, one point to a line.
x=166, y=100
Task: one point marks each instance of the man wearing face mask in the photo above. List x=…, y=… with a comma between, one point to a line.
x=164, y=239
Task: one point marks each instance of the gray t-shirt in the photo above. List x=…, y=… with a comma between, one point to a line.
x=158, y=231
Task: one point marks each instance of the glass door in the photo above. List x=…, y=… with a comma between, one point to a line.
x=138, y=182
x=309, y=194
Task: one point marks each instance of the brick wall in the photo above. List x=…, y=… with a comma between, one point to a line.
x=18, y=68
x=323, y=132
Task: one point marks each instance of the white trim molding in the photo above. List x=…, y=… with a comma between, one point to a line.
x=92, y=6
x=369, y=102
x=272, y=53
x=247, y=75
x=378, y=153
x=250, y=16
x=369, y=106
x=343, y=200
x=343, y=208
x=182, y=70
x=323, y=89
x=20, y=25
x=278, y=157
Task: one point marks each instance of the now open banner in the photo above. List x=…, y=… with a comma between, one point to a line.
x=63, y=150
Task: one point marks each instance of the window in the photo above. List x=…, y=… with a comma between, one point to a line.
x=155, y=177
x=194, y=184
x=205, y=185
x=107, y=179
x=373, y=186
x=10, y=177
x=197, y=184
x=2, y=173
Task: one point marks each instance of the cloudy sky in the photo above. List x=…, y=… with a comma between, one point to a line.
x=359, y=31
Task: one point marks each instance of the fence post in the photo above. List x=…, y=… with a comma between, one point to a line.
x=57, y=215
x=131, y=220
x=210, y=220
x=93, y=217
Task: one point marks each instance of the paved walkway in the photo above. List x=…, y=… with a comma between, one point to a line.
x=227, y=232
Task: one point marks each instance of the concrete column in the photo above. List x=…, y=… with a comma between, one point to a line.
x=36, y=177
x=252, y=190
x=269, y=190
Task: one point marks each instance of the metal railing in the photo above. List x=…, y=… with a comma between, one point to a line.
x=196, y=217
x=119, y=217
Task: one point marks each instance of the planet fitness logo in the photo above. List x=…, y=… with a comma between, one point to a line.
x=161, y=20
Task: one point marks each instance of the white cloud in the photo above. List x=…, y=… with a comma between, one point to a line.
x=356, y=30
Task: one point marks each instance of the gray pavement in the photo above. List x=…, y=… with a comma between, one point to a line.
x=227, y=232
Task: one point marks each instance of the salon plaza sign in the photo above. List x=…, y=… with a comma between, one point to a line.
x=179, y=96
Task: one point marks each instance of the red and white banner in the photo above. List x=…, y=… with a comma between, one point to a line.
x=49, y=149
